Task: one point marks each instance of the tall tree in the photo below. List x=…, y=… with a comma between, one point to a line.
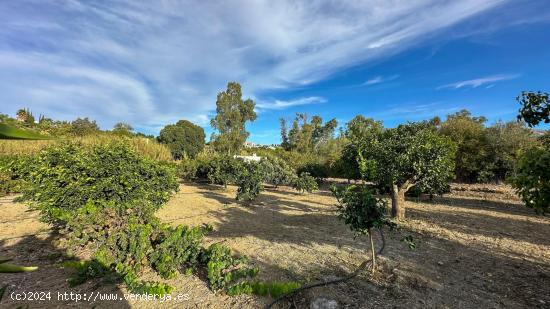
x=284, y=135
x=306, y=136
x=183, y=138
x=232, y=113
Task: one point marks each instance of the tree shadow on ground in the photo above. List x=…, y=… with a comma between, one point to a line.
x=444, y=273
x=485, y=225
x=51, y=277
x=441, y=272
x=484, y=204
x=278, y=220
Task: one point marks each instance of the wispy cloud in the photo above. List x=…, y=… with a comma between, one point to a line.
x=379, y=79
x=152, y=62
x=282, y=104
x=474, y=83
x=416, y=111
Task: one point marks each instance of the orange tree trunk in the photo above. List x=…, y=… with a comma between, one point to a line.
x=398, y=202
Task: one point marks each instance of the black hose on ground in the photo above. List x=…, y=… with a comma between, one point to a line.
x=359, y=269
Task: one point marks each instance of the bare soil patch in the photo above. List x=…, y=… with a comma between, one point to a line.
x=476, y=248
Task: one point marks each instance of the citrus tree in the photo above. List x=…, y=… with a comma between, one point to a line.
x=409, y=155
x=305, y=183
x=532, y=174
x=532, y=179
x=362, y=212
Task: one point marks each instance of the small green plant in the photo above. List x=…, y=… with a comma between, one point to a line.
x=225, y=269
x=362, y=212
x=409, y=240
x=305, y=183
x=273, y=289
x=85, y=270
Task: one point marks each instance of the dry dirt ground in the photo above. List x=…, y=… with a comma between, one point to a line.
x=477, y=247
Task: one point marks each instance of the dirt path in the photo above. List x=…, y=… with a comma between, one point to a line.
x=475, y=249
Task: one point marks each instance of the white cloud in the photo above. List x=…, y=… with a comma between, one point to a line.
x=152, y=62
x=282, y=104
x=379, y=79
x=474, y=83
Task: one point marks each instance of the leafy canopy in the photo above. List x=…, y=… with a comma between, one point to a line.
x=535, y=107
x=306, y=135
x=408, y=155
x=183, y=138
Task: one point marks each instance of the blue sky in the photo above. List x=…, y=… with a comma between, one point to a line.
x=151, y=63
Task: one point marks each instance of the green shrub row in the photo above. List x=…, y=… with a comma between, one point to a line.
x=248, y=176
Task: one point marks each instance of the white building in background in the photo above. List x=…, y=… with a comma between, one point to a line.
x=252, y=158
x=254, y=145
x=251, y=145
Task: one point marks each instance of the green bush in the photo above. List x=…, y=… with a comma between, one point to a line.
x=305, y=183
x=532, y=179
x=13, y=169
x=249, y=180
x=67, y=177
x=176, y=248
x=188, y=169
x=277, y=172
x=316, y=170
x=222, y=170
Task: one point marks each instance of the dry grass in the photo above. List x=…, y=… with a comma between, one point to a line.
x=149, y=148
x=473, y=251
